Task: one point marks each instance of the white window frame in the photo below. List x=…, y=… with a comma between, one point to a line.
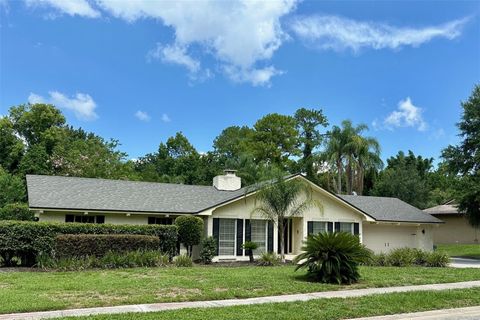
x=234, y=238
x=256, y=252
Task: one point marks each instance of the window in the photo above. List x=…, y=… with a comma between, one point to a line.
x=319, y=227
x=346, y=227
x=84, y=218
x=160, y=220
x=226, y=237
x=259, y=235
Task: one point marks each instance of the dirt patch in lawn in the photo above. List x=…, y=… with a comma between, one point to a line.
x=176, y=292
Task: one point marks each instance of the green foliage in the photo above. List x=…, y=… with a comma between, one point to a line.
x=183, y=260
x=406, y=257
x=16, y=211
x=27, y=240
x=350, y=154
x=269, y=259
x=249, y=246
x=232, y=142
x=309, y=137
x=78, y=245
x=190, y=231
x=464, y=159
x=110, y=260
x=11, y=146
x=401, y=257
x=275, y=139
x=332, y=257
x=406, y=178
x=209, y=250
x=437, y=259
x=12, y=189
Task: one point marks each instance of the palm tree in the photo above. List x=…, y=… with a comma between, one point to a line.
x=349, y=151
x=367, y=154
x=280, y=199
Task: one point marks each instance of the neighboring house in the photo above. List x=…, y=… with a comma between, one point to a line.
x=381, y=223
x=456, y=228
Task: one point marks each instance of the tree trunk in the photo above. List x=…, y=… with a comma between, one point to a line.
x=339, y=176
x=281, y=235
x=349, y=174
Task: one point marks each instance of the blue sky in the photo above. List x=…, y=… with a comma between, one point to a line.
x=141, y=71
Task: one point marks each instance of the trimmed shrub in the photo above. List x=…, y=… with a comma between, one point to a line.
x=27, y=240
x=332, y=257
x=437, y=259
x=268, y=259
x=190, y=231
x=16, y=211
x=249, y=246
x=183, y=260
x=209, y=249
x=79, y=245
x=110, y=260
x=420, y=257
x=401, y=257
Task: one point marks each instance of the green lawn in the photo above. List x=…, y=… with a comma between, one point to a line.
x=330, y=309
x=35, y=291
x=461, y=250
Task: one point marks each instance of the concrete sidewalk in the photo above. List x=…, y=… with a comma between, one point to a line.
x=470, y=313
x=155, y=307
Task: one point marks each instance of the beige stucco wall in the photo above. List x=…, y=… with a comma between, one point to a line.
x=330, y=210
x=386, y=237
x=455, y=230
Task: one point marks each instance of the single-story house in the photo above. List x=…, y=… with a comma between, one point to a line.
x=382, y=224
x=456, y=228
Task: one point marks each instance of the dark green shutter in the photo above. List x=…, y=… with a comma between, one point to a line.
x=270, y=236
x=69, y=218
x=337, y=226
x=216, y=231
x=330, y=226
x=239, y=237
x=151, y=220
x=356, y=229
x=248, y=230
x=309, y=227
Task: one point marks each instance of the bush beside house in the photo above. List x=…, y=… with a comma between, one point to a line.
x=16, y=211
x=27, y=240
x=98, y=245
x=190, y=231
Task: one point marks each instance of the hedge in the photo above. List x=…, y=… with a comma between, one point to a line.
x=98, y=245
x=16, y=211
x=26, y=240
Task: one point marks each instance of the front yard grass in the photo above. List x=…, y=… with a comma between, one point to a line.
x=471, y=251
x=328, y=309
x=37, y=291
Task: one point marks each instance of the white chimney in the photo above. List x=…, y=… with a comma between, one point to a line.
x=228, y=181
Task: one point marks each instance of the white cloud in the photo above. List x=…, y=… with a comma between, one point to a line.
x=166, y=118
x=142, y=115
x=82, y=104
x=257, y=77
x=175, y=54
x=338, y=33
x=239, y=34
x=70, y=7
x=407, y=115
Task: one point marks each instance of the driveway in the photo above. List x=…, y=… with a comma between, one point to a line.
x=464, y=263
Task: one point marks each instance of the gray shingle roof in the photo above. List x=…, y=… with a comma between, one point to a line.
x=389, y=209
x=57, y=192
x=443, y=209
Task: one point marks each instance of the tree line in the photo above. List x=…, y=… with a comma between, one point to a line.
x=36, y=139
